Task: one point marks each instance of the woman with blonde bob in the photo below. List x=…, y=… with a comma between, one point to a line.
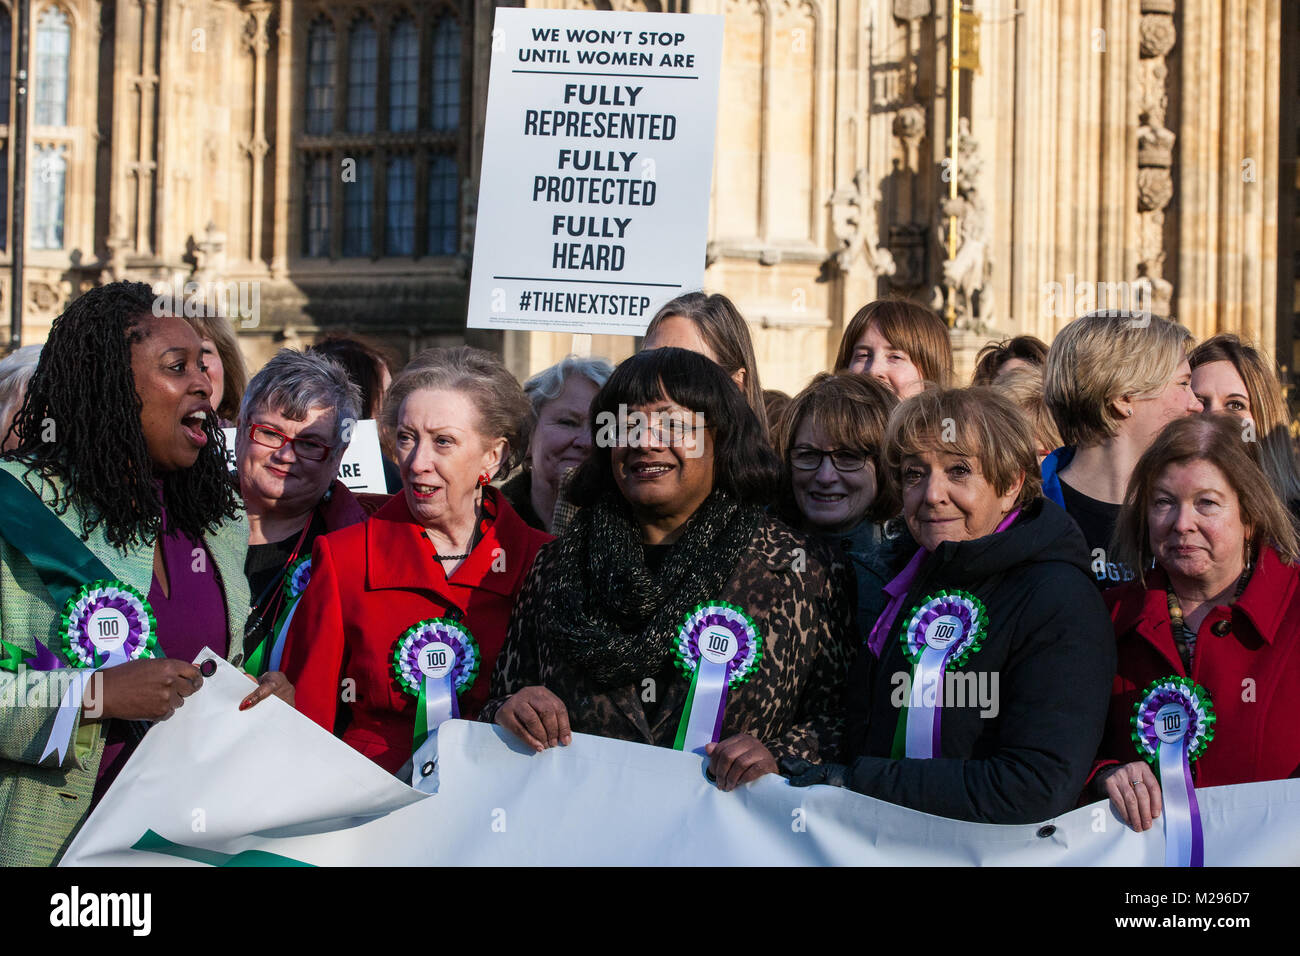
x=1113, y=379
x=900, y=343
x=1231, y=376
x=981, y=692
x=1217, y=602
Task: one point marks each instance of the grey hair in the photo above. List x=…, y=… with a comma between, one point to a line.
x=293, y=383
x=16, y=371
x=502, y=410
x=546, y=385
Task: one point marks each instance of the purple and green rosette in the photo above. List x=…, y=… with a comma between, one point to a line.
x=268, y=654
x=718, y=647
x=435, y=661
x=1173, y=723
x=104, y=624
x=941, y=634
x=107, y=622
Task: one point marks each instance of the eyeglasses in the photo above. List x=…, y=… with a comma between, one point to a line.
x=307, y=448
x=807, y=458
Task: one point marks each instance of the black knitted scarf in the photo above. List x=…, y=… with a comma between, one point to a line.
x=614, y=618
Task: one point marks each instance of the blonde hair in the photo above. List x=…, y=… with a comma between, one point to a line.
x=500, y=406
x=916, y=330
x=1101, y=357
x=1025, y=387
x=1215, y=439
x=1267, y=407
x=984, y=424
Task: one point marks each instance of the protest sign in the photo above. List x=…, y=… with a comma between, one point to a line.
x=597, y=168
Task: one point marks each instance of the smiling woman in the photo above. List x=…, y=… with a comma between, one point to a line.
x=672, y=540
x=449, y=549
x=119, y=481
x=981, y=691
x=293, y=431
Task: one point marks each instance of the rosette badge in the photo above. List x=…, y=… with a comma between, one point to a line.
x=1173, y=723
x=942, y=634
x=106, y=623
x=718, y=647
x=435, y=661
x=297, y=578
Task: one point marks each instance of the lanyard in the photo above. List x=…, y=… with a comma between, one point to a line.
x=278, y=580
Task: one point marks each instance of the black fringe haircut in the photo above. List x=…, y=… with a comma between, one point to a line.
x=83, y=389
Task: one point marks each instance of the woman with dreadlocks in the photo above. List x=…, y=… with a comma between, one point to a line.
x=121, y=558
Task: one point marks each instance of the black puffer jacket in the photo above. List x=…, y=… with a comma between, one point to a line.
x=1042, y=681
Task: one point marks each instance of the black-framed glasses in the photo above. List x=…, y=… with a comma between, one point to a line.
x=807, y=458
x=307, y=448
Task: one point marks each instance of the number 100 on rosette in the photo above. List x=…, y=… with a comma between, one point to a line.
x=597, y=168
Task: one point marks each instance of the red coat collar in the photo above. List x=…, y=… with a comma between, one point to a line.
x=399, y=554
x=1261, y=607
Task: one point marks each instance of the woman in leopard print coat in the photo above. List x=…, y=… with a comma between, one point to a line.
x=673, y=519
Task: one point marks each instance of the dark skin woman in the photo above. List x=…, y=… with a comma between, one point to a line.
x=118, y=441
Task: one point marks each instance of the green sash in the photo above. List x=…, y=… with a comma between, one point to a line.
x=60, y=558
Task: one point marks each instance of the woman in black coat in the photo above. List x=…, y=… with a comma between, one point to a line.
x=982, y=691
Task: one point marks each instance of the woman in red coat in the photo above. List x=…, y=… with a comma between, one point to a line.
x=377, y=650
x=1217, y=615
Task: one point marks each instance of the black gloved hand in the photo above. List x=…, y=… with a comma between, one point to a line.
x=805, y=774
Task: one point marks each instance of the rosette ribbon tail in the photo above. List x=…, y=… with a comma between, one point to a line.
x=66, y=718
x=925, y=702
x=436, y=703
x=1184, y=840
x=705, y=702
x=281, y=633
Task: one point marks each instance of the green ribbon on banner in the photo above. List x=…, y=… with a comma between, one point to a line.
x=152, y=842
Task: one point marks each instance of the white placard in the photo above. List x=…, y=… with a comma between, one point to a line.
x=362, y=467
x=593, y=205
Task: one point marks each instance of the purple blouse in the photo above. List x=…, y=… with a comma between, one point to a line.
x=191, y=618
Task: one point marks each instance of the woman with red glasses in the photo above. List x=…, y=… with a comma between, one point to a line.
x=293, y=430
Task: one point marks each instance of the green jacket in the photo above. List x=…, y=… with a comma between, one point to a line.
x=42, y=805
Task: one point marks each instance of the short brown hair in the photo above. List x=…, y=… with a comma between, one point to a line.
x=1101, y=357
x=498, y=398
x=1267, y=407
x=853, y=411
x=916, y=330
x=986, y=425
x=1216, y=439
x=991, y=358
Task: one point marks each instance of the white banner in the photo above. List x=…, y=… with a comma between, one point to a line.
x=215, y=786
x=593, y=205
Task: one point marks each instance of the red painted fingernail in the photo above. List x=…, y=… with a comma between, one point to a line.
x=245, y=704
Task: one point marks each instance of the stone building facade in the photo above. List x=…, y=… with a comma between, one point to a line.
x=322, y=156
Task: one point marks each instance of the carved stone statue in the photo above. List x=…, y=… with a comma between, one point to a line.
x=853, y=223
x=966, y=273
